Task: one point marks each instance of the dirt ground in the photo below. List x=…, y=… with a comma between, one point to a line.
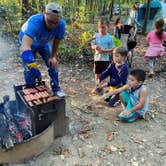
x=96, y=137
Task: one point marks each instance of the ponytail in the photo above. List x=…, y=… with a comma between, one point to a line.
x=159, y=33
x=159, y=24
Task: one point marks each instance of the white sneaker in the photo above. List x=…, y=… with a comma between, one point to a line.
x=60, y=94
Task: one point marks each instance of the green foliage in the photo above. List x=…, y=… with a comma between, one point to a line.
x=11, y=15
x=76, y=42
x=15, y=12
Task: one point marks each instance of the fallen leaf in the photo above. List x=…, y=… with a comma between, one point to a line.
x=110, y=137
x=134, y=163
x=20, y=70
x=111, y=148
x=65, y=153
x=122, y=148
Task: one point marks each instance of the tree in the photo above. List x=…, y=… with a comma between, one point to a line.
x=146, y=17
x=111, y=8
x=25, y=7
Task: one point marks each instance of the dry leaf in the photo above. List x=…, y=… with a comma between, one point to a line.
x=122, y=148
x=65, y=153
x=111, y=148
x=110, y=137
x=20, y=70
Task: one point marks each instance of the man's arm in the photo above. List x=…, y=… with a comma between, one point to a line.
x=27, y=54
x=29, y=59
x=55, y=47
x=26, y=43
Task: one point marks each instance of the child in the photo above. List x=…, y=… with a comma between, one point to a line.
x=103, y=45
x=155, y=38
x=117, y=71
x=118, y=28
x=134, y=97
x=133, y=15
x=131, y=43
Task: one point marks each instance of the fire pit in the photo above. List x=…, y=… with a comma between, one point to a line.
x=43, y=109
x=48, y=121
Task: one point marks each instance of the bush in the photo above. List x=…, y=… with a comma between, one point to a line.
x=76, y=46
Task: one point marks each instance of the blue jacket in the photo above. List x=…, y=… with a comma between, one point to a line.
x=118, y=76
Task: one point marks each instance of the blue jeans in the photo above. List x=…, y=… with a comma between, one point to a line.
x=45, y=53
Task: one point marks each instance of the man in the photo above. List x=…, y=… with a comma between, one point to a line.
x=42, y=33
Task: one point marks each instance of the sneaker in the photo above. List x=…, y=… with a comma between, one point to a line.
x=60, y=94
x=147, y=116
x=107, y=98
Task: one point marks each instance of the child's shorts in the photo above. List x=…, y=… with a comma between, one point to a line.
x=132, y=116
x=100, y=66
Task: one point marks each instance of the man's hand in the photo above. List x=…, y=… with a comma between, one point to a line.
x=34, y=73
x=53, y=62
x=32, y=65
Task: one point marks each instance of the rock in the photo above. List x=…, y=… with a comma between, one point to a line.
x=81, y=153
x=134, y=163
x=57, y=150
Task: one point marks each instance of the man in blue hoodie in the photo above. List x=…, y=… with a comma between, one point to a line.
x=42, y=33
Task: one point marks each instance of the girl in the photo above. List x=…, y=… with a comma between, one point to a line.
x=118, y=28
x=133, y=19
x=155, y=38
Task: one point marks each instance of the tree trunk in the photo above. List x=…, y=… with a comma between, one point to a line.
x=25, y=7
x=120, y=7
x=111, y=7
x=146, y=17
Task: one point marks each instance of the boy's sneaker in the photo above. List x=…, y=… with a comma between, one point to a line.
x=60, y=94
x=147, y=116
x=107, y=98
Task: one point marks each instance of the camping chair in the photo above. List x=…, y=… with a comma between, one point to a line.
x=164, y=43
x=138, y=26
x=131, y=44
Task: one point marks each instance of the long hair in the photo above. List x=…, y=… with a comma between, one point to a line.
x=134, y=6
x=159, y=24
x=117, y=20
